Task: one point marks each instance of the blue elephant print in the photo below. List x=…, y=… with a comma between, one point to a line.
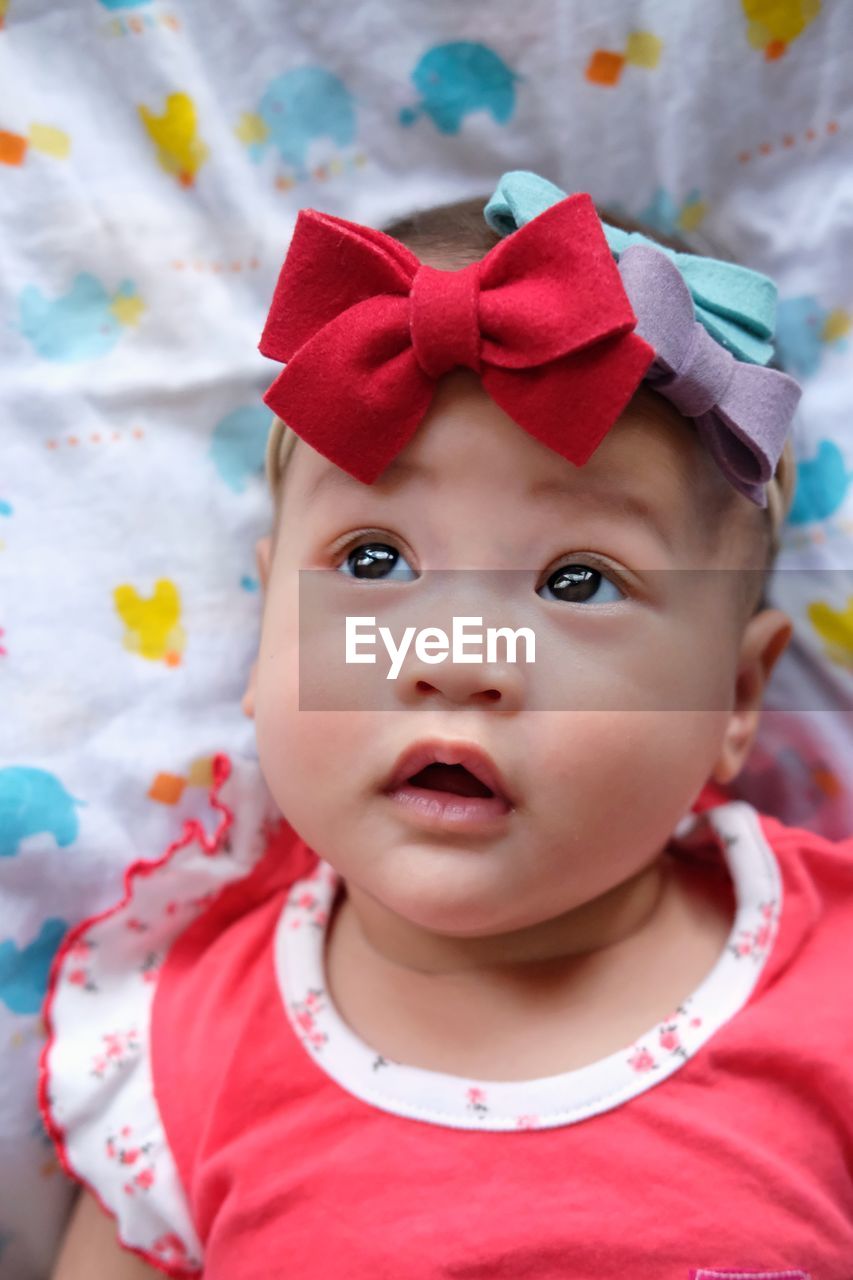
x=822, y=484
x=299, y=106
x=33, y=801
x=84, y=322
x=238, y=445
x=801, y=335
x=661, y=213
x=458, y=78
x=24, y=971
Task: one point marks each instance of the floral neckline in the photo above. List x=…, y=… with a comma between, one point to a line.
x=548, y=1101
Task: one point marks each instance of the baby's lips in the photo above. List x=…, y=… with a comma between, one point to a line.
x=470, y=755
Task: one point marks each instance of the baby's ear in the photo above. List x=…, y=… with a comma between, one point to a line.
x=765, y=639
x=263, y=556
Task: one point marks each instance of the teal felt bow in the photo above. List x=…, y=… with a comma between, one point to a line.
x=737, y=306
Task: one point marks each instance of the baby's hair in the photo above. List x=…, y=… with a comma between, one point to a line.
x=452, y=236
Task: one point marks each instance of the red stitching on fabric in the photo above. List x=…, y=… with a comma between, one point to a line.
x=193, y=830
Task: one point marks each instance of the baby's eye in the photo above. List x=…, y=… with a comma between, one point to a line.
x=371, y=560
x=579, y=584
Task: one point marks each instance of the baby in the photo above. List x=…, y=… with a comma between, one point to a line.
x=514, y=990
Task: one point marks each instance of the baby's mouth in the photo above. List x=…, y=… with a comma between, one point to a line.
x=454, y=779
x=447, y=797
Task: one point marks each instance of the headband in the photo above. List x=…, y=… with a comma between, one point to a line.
x=558, y=332
x=735, y=304
x=708, y=321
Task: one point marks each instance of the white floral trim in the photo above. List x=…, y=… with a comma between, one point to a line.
x=549, y=1101
x=97, y=1091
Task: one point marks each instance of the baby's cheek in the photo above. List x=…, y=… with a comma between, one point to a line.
x=308, y=759
x=622, y=779
x=667, y=753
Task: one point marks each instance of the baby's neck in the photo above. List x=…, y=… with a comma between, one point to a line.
x=555, y=1012
x=606, y=921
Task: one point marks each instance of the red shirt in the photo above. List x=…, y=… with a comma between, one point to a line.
x=729, y=1152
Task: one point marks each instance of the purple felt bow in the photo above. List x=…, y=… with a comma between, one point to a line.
x=742, y=411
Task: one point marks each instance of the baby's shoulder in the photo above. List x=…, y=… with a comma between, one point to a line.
x=824, y=859
x=814, y=947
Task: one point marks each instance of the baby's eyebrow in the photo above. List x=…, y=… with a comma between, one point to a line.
x=613, y=501
x=598, y=495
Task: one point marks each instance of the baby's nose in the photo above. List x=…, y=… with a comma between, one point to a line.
x=474, y=644
x=496, y=686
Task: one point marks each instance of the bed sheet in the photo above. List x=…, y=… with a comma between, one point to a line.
x=153, y=155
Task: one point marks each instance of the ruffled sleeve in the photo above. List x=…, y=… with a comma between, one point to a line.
x=95, y=1090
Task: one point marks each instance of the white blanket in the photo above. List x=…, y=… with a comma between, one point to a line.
x=154, y=154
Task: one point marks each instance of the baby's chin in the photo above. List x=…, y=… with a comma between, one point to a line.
x=443, y=887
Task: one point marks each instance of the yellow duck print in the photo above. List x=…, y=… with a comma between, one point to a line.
x=835, y=628
x=175, y=135
x=773, y=24
x=152, y=626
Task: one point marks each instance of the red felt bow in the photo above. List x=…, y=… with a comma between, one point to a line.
x=366, y=331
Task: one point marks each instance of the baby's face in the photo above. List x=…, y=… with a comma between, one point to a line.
x=598, y=747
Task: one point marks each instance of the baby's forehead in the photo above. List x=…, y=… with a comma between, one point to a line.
x=651, y=457
x=650, y=491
